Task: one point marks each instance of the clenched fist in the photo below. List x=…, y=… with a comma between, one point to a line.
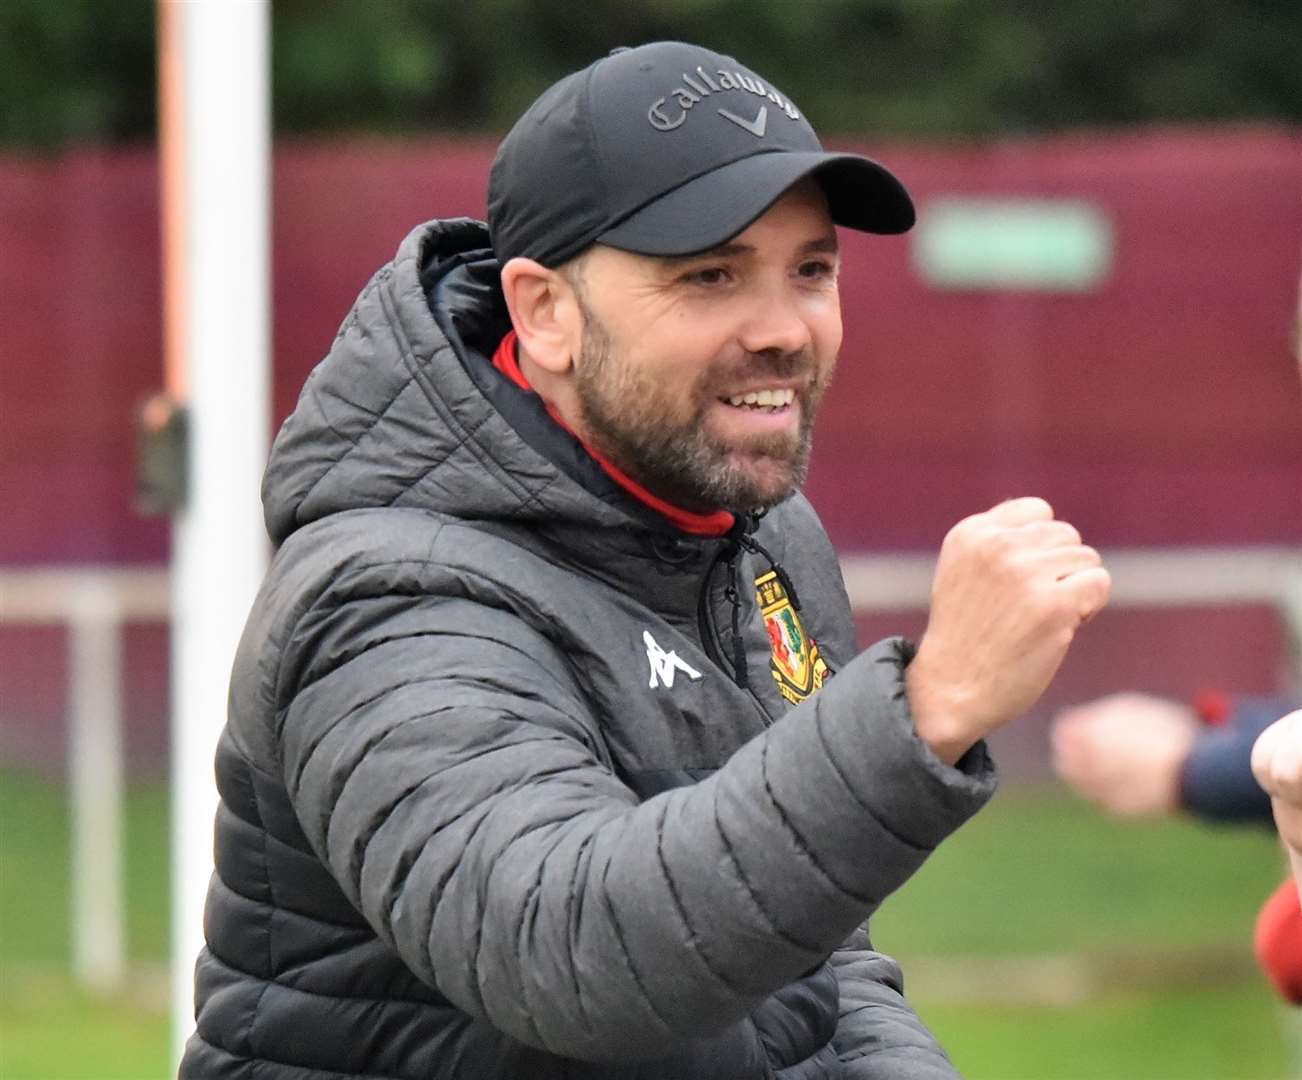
x=1277, y=765
x=1012, y=586
x=1126, y=751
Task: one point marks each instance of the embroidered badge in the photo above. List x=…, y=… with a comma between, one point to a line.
x=797, y=666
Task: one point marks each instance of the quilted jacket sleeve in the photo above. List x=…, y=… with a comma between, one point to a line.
x=443, y=766
x=878, y=1035
x=1216, y=781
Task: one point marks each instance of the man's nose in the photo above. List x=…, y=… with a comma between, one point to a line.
x=775, y=323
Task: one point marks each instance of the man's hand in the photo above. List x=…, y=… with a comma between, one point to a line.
x=1125, y=751
x=1277, y=765
x=1012, y=586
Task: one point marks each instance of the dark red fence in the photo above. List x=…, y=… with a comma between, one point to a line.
x=1160, y=408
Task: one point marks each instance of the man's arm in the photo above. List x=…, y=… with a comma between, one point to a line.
x=452, y=778
x=1137, y=754
x=1216, y=780
x=441, y=765
x=878, y=1035
x=1277, y=765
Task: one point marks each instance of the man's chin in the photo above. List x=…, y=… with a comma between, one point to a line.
x=760, y=481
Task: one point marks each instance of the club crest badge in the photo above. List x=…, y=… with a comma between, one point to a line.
x=797, y=666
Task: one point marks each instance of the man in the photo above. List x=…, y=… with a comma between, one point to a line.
x=549, y=753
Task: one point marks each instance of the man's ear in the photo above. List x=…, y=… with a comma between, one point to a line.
x=544, y=312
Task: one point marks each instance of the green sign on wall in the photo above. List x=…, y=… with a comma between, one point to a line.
x=1053, y=245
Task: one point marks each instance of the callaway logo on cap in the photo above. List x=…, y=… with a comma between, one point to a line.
x=667, y=149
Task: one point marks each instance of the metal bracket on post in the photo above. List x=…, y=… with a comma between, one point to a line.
x=162, y=455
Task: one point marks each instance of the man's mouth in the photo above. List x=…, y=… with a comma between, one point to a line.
x=769, y=400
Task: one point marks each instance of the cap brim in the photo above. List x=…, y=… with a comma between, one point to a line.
x=716, y=206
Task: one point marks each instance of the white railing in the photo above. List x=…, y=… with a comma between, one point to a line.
x=1141, y=577
x=94, y=603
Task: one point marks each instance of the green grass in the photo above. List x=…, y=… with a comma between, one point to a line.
x=48, y=1029
x=34, y=880
x=1039, y=872
x=1231, y=1033
x=1158, y=915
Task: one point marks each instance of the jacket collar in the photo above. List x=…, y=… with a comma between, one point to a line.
x=408, y=411
x=506, y=360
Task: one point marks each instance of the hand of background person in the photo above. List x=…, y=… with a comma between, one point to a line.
x=1277, y=765
x=1125, y=751
x=1012, y=587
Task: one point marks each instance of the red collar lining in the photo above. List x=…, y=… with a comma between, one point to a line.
x=713, y=524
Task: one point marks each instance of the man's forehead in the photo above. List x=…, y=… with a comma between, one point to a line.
x=823, y=244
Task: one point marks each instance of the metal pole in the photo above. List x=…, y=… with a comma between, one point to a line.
x=95, y=770
x=219, y=543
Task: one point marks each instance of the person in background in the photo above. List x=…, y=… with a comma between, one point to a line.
x=1138, y=755
x=1277, y=765
x=1141, y=755
x=1218, y=760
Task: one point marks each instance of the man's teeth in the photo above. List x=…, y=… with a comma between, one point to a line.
x=772, y=398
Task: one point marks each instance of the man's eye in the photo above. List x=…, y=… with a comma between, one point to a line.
x=706, y=275
x=817, y=268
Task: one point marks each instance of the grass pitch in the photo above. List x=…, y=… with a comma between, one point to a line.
x=1042, y=942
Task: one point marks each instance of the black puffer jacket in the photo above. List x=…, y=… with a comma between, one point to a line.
x=494, y=803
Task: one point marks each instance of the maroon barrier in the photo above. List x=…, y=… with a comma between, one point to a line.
x=1163, y=408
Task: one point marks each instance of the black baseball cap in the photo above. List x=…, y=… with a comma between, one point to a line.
x=667, y=149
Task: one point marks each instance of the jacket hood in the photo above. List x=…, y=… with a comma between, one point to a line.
x=407, y=410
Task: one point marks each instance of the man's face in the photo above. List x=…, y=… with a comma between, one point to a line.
x=699, y=376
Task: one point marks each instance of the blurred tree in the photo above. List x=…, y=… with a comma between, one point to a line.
x=75, y=71
x=83, y=69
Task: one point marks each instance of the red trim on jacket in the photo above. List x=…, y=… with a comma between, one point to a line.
x=713, y=524
x=1278, y=941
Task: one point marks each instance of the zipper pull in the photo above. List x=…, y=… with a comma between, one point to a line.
x=756, y=548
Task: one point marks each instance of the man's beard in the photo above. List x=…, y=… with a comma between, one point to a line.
x=626, y=416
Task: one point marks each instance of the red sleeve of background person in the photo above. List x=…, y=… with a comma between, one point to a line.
x=1278, y=941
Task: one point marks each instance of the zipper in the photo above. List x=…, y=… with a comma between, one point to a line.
x=734, y=667
x=704, y=620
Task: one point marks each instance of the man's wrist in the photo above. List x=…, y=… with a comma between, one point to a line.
x=936, y=719
x=1288, y=822
x=1294, y=863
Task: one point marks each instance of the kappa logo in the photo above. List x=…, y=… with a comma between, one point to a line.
x=701, y=84
x=665, y=664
